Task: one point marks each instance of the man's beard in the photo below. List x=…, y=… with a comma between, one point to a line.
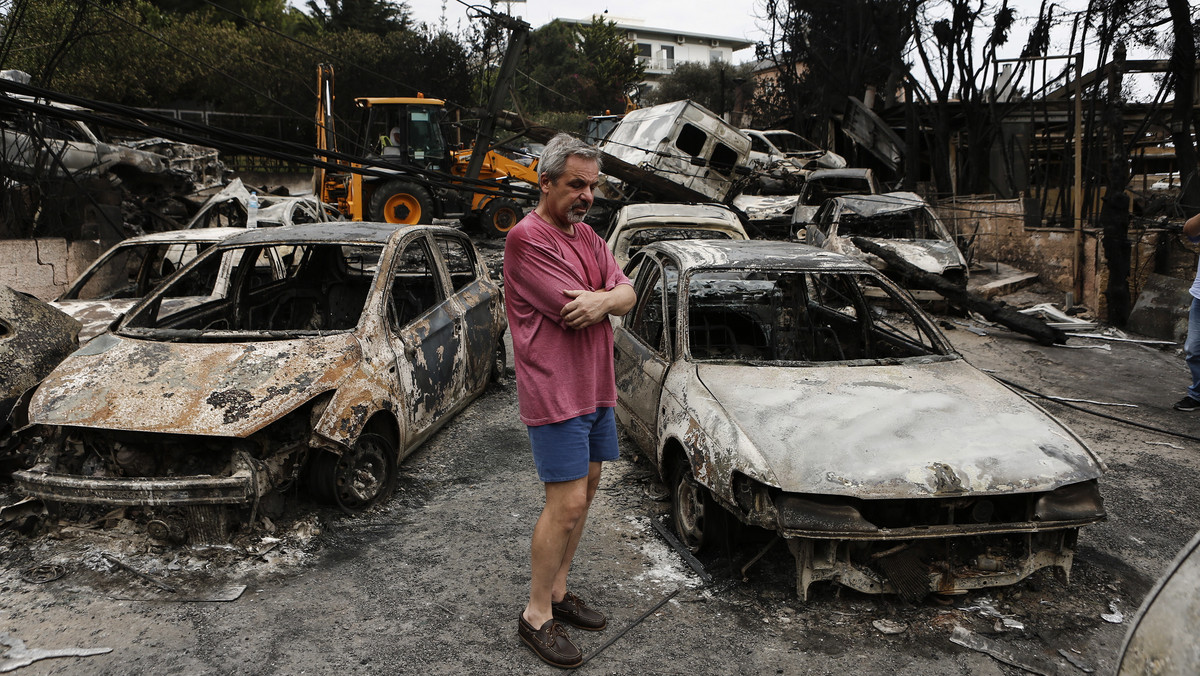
x=576, y=213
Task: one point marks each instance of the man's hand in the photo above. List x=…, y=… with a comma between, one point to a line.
x=587, y=308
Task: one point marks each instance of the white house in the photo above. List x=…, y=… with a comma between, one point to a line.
x=662, y=49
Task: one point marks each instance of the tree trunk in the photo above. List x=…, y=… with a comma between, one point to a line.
x=1114, y=208
x=1184, y=67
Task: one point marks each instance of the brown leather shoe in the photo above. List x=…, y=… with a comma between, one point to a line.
x=573, y=610
x=550, y=643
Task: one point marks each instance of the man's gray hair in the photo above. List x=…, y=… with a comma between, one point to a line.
x=553, y=161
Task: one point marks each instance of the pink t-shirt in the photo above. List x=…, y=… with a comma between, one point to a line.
x=562, y=373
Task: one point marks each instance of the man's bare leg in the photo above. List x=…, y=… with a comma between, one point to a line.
x=565, y=509
x=559, y=588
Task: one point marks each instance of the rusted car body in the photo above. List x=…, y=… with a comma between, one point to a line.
x=636, y=225
x=803, y=392
x=899, y=221
x=333, y=373
x=825, y=184
x=128, y=271
x=34, y=338
x=230, y=208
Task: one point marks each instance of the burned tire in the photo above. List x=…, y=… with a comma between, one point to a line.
x=499, y=216
x=401, y=202
x=694, y=515
x=362, y=476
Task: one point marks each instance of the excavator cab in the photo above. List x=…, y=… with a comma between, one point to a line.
x=404, y=129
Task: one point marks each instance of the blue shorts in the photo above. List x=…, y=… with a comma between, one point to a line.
x=562, y=450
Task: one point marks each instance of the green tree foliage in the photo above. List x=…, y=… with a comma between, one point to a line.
x=367, y=16
x=140, y=54
x=578, y=68
x=717, y=85
x=610, y=64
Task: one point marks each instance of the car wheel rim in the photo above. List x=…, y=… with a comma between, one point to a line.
x=362, y=474
x=689, y=512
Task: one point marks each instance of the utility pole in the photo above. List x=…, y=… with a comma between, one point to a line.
x=519, y=31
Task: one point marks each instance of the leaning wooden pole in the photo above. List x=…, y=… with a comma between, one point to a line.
x=959, y=297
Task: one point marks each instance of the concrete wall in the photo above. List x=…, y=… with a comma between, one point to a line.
x=44, y=267
x=1000, y=234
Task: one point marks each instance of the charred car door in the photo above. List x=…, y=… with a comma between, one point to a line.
x=426, y=336
x=644, y=344
x=479, y=302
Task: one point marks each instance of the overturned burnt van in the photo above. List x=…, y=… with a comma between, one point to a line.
x=800, y=391
x=315, y=355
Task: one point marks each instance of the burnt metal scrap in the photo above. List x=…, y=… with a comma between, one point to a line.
x=34, y=338
x=308, y=355
x=803, y=392
x=899, y=222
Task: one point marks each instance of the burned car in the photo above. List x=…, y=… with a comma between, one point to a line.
x=230, y=208
x=130, y=270
x=1162, y=637
x=901, y=222
x=801, y=391
x=636, y=225
x=34, y=338
x=780, y=145
x=329, y=375
x=825, y=184
x=35, y=145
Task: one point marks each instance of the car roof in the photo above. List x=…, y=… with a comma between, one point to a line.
x=333, y=231
x=856, y=172
x=750, y=253
x=183, y=236
x=677, y=210
x=884, y=203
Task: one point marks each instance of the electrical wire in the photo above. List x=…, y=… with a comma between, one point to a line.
x=1098, y=414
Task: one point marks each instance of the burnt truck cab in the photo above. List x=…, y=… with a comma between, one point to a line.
x=328, y=372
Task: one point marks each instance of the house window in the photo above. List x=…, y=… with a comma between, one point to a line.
x=715, y=55
x=644, y=50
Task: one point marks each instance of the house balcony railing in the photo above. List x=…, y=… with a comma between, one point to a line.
x=657, y=65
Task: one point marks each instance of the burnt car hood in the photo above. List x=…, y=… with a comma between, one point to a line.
x=213, y=389
x=934, y=256
x=937, y=428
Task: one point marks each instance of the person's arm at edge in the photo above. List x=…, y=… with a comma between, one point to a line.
x=1191, y=229
x=592, y=307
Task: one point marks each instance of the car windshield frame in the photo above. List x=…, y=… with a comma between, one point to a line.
x=275, y=265
x=867, y=314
